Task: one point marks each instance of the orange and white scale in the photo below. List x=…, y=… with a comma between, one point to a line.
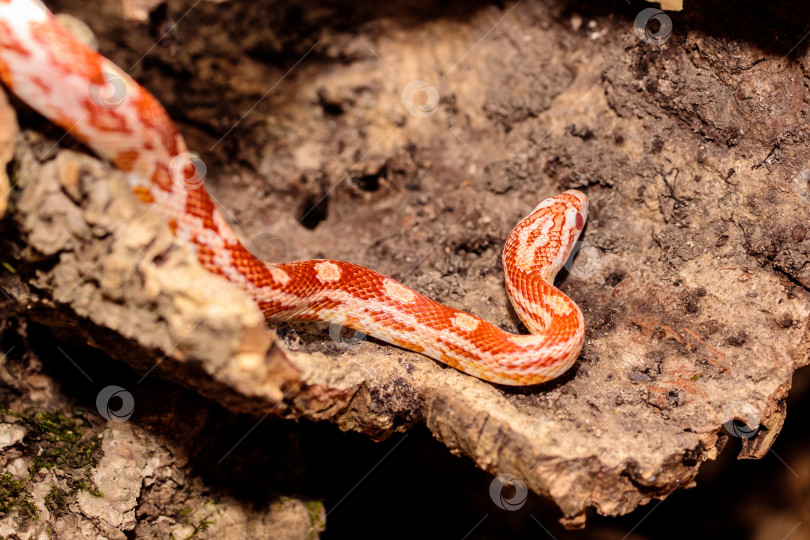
x=100, y=105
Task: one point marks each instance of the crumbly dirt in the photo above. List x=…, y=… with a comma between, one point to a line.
x=693, y=271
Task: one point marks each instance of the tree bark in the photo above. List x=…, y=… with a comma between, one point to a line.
x=693, y=271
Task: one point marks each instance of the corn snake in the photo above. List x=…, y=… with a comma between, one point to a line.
x=65, y=81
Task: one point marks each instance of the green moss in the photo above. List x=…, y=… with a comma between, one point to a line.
x=696, y=376
x=85, y=484
x=55, y=441
x=89, y=450
x=57, y=425
x=184, y=512
x=202, y=526
x=61, y=443
x=56, y=501
x=15, y=499
x=314, y=509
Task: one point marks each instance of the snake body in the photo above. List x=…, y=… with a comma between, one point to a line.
x=99, y=104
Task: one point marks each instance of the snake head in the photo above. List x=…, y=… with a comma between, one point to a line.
x=573, y=206
x=542, y=242
x=579, y=201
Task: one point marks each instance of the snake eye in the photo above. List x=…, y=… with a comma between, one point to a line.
x=579, y=221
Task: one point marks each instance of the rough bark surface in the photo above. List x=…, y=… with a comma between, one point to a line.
x=693, y=274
